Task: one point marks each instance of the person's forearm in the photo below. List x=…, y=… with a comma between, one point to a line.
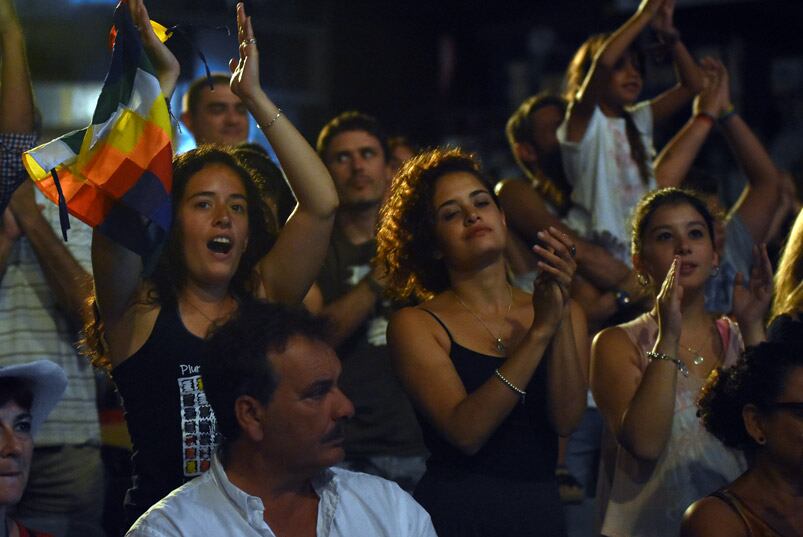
x=5, y=251
x=308, y=177
x=567, y=382
x=349, y=312
x=619, y=41
x=70, y=283
x=750, y=152
x=677, y=157
x=598, y=266
x=688, y=72
x=647, y=422
x=16, y=96
x=479, y=415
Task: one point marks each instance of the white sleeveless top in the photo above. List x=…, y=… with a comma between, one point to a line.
x=649, y=498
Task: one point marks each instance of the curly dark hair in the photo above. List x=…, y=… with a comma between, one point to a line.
x=406, y=242
x=235, y=359
x=758, y=378
x=652, y=201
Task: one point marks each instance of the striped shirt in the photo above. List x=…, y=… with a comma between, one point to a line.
x=31, y=328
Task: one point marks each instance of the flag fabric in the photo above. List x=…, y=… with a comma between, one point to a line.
x=116, y=174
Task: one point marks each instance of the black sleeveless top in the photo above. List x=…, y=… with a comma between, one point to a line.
x=524, y=447
x=170, y=421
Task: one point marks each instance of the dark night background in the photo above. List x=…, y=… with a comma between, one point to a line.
x=439, y=71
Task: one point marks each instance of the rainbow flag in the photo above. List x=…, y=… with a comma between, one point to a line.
x=116, y=174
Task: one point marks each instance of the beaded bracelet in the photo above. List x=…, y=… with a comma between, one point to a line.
x=272, y=121
x=510, y=385
x=652, y=355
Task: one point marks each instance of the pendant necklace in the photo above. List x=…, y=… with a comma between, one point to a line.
x=698, y=358
x=500, y=346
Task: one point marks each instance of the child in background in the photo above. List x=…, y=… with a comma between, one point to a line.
x=606, y=136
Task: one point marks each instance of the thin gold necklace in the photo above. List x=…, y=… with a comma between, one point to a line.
x=500, y=345
x=205, y=316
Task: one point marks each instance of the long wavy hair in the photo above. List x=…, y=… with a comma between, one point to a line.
x=170, y=274
x=406, y=241
x=789, y=276
x=576, y=74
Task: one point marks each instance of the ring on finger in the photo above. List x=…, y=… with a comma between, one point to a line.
x=573, y=250
x=251, y=41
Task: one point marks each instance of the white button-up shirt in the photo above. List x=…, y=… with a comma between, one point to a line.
x=351, y=504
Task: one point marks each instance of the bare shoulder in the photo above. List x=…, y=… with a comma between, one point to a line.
x=611, y=338
x=711, y=516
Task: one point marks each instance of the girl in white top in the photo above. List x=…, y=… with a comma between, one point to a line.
x=606, y=138
x=646, y=374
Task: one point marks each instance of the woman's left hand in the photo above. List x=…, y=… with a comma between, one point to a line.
x=557, y=263
x=245, y=69
x=165, y=63
x=751, y=302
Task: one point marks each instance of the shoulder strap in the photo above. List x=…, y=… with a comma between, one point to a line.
x=451, y=339
x=734, y=503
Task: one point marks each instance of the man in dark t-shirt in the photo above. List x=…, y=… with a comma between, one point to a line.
x=383, y=438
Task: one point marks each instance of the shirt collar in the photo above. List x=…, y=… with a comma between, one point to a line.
x=249, y=507
x=252, y=509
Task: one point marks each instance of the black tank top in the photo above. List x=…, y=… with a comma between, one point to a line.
x=172, y=425
x=523, y=447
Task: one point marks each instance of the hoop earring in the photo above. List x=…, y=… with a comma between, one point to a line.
x=714, y=271
x=761, y=440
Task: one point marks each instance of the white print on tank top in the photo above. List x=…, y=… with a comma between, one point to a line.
x=377, y=330
x=198, y=425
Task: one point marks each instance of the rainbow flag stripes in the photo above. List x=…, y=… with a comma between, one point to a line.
x=116, y=174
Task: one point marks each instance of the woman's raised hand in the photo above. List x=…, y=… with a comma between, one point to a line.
x=557, y=267
x=165, y=63
x=245, y=69
x=751, y=302
x=668, y=304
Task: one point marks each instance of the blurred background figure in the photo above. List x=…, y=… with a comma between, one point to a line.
x=756, y=406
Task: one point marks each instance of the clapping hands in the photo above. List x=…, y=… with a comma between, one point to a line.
x=557, y=267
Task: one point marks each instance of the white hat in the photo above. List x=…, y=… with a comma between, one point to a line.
x=47, y=382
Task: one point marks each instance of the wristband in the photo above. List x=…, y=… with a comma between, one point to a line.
x=706, y=117
x=652, y=355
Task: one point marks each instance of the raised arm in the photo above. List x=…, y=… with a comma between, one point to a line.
x=677, y=157
x=69, y=283
x=292, y=265
x=16, y=96
x=639, y=407
x=761, y=197
x=116, y=270
x=689, y=74
x=582, y=105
